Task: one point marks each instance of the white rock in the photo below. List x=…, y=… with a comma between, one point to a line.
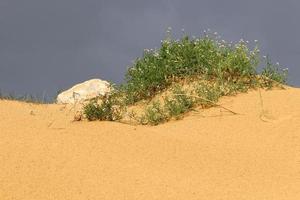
x=84, y=91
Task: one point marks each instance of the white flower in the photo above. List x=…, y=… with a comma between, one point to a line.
x=264, y=57
x=255, y=41
x=277, y=63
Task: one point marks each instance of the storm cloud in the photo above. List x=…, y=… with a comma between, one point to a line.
x=47, y=45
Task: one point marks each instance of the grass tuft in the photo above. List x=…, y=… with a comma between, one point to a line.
x=272, y=75
x=154, y=114
x=28, y=98
x=209, y=94
x=109, y=107
x=179, y=103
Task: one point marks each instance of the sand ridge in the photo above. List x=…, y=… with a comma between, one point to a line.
x=210, y=154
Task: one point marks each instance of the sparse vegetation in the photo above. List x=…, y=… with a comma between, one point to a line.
x=154, y=114
x=28, y=98
x=272, y=75
x=209, y=66
x=178, y=103
x=209, y=94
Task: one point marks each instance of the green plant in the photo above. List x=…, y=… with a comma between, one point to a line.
x=154, y=114
x=272, y=75
x=179, y=103
x=107, y=107
x=206, y=56
x=238, y=62
x=93, y=111
x=208, y=94
x=220, y=68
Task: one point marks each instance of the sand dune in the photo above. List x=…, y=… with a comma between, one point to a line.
x=210, y=154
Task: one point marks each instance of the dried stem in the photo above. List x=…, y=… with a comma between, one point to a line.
x=215, y=104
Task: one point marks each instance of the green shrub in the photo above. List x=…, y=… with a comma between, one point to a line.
x=221, y=68
x=108, y=107
x=187, y=57
x=93, y=111
x=238, y=62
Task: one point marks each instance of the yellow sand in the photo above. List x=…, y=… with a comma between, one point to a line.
x=208, y=155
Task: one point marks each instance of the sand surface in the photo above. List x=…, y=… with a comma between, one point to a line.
x=210, y=154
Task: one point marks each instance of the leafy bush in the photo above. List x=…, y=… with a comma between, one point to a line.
x=187, y=57
x=93, y=111
x=219, y=67
x=110, y=108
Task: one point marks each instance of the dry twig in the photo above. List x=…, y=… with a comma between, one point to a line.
x=215, y=104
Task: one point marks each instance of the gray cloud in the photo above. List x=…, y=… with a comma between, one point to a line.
x=48, y=45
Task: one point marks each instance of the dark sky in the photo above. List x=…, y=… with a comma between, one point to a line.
x=47, y=45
